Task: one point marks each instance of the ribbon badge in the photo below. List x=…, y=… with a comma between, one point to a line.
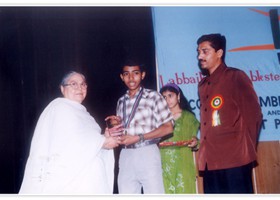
x=216, y=104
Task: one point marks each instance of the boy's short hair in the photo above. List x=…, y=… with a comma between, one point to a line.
x=133, y=62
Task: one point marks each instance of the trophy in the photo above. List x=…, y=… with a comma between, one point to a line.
x=115, y=125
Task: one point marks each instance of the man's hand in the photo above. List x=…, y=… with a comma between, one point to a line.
x=128, y=139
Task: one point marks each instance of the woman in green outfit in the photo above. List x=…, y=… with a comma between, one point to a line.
x=179, y=172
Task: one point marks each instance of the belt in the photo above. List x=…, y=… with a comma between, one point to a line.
x=141, y=144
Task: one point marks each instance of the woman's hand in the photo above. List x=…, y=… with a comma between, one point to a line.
x=110, y=143
x=106, y=133
x=115, y=131
x=193, y=143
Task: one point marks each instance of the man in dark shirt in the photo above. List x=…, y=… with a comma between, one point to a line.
x=230, y=117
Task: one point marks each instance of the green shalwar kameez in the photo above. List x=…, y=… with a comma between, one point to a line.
x=179, y=173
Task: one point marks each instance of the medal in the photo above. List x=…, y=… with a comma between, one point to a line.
x=216, y=104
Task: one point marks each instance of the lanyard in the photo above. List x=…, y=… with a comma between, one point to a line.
x=135, y=105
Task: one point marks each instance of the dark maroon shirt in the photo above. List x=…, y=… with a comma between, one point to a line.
x=230, y=117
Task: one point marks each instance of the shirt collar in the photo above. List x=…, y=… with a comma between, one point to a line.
x=217, y=73
x=126, y=96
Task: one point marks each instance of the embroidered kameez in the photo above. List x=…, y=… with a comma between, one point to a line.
x=179, y=173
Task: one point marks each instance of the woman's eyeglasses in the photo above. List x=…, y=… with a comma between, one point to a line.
x=76, y=85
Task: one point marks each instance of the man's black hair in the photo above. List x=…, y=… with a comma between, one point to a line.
x=217, y=41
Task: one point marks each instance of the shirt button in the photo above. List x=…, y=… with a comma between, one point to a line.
x=207, y=96
x=205, y=109
x=204, y=123
x=204, y=137
x=208, y=83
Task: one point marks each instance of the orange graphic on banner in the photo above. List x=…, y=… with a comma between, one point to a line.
x=256, y=47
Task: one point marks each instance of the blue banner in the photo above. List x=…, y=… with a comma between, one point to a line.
x=253, y=45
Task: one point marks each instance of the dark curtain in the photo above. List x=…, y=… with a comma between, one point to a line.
x=39, y=44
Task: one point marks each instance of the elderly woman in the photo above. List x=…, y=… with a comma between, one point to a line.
x=68, y=154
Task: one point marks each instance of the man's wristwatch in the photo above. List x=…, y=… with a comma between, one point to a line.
x=141, y=138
